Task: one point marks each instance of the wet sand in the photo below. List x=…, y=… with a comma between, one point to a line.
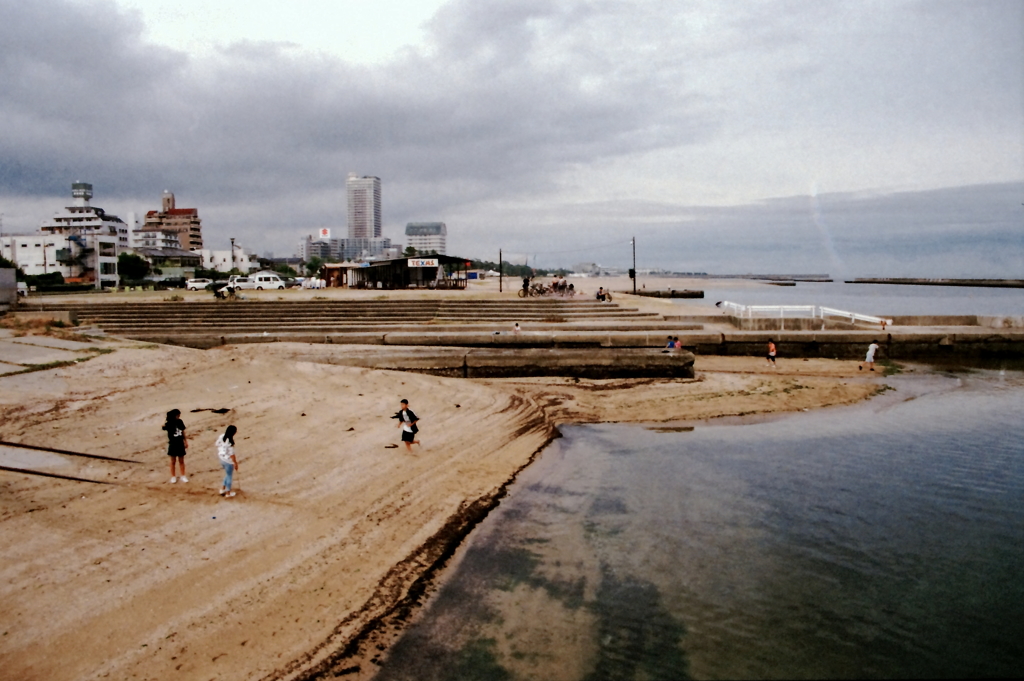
x=334, y=524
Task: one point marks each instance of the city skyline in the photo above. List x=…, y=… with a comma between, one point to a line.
x=863, y=140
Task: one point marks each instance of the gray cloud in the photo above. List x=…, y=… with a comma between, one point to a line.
x=539, y=123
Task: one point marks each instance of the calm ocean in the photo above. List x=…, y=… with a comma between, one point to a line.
x=874, y=299
x=881, y=540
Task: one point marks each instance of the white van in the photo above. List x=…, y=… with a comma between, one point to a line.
x=258, y=281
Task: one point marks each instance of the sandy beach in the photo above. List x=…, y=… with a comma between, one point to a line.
x=334, y=524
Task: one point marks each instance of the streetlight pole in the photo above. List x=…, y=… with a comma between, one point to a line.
x=232, y=252
x=500, y=272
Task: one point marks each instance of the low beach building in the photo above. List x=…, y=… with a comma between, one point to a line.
x=170, y=263
x=433, y=272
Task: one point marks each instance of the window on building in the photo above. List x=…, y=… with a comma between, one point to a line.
x=108, y=268
x=107, y=250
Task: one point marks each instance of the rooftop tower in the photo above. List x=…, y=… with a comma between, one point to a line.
x=81, y=192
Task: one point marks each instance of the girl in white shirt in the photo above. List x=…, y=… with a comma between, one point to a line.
x=226, y=454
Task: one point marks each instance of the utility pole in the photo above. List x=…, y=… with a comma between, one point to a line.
x=500, y=272
x=232, y=252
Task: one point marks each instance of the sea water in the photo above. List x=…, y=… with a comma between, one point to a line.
x=872, y=299
x=880, y=540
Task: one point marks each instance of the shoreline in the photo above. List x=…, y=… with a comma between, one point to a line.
x=332, y=530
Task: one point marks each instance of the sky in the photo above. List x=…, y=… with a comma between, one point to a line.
x=875, y=138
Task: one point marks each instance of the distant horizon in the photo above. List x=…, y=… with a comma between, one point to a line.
x=904, y=234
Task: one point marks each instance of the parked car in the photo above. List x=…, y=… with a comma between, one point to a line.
x=258, y=281
x=196, y=284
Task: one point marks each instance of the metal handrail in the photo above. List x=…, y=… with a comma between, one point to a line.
x=812, y=311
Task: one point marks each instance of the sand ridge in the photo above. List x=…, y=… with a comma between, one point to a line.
x=141, y=579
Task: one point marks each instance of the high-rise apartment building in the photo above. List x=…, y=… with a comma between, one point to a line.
x=364, y=217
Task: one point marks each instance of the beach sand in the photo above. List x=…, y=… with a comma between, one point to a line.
x=334, y=524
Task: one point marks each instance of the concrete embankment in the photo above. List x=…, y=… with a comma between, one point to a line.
x=919, y=345
x=462, y=362
x=448, y=357
x=556, y=330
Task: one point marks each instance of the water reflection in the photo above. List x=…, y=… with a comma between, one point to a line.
x=882, y=541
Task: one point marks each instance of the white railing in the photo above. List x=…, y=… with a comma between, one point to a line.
x=852, y=316
x=798, y=311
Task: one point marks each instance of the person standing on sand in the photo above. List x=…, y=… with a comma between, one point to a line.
x=870, y=358
x=771, y=353
x=176, y=442
x=407, y=422
x=228, y=461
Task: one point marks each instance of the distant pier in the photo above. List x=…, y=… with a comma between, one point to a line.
x=671, y=293
x=985, y=283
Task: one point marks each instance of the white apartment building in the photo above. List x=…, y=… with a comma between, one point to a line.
x=427, y=237
x=81, y=242
x=364, y=214
x=244, y=259
x=155, y=238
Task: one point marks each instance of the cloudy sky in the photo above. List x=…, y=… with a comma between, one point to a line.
x=869, y=138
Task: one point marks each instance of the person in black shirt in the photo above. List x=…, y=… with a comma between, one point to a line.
x=407, y=422
x=176, y=442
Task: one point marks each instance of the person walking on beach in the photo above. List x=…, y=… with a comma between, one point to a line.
x=870, y=358
x=176, y=443
x=407, y=422
x=228, y=461
x=771, y=353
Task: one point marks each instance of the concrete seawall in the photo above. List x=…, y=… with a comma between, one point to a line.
x=461, y=362
x=966, y=345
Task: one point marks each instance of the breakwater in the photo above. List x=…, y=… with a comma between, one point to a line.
x=983, y=283
x=671, y=293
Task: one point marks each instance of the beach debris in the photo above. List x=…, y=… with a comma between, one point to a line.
x=390, y=446
x=222, y=410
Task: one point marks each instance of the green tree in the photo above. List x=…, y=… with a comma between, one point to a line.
x=314, y=265
x=409, y=252
x=132, y=267
x=18, y=272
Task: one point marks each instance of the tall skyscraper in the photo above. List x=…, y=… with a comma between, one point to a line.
x=364, y=221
